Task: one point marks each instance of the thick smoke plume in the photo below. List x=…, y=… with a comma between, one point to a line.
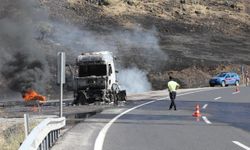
x=136, y=45
x=137, y=50
x=134, y=80
x=25, y=64
x=22, y=62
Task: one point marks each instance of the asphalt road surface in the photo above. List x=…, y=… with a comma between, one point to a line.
x=148, y=124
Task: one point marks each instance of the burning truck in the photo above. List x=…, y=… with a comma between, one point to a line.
x=94, y=79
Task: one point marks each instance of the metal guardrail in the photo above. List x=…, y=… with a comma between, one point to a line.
x=52, y=102
x=43, y=136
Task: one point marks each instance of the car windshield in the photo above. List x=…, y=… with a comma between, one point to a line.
x=221, y=75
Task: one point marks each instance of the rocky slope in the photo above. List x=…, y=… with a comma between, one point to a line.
x=191, y=39
x=196, y=39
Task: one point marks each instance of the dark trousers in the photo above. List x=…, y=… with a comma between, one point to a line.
x=172, y=98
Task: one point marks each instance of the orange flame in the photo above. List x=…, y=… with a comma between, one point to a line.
x=31, y=95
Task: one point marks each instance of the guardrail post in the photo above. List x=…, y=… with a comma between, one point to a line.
x=47, y=142
x=57, y=134
x=50, y=139
x=43, y=145
x=26, y=124
x=54, y=137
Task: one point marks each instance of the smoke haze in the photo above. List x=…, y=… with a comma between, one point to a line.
x=134, y=80
x=140, y=46
x=134, y=49
x=24, y=63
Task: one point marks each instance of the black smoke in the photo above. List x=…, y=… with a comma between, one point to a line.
x=23, y=62
x=27, y=53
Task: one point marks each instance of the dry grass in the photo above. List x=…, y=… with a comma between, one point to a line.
x=12, y=137
x=73, y=3
x=12, y=134
x=158, y=8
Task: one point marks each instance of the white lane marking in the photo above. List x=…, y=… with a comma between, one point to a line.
x=241, y=145
x=205, y=106
x=101, y=136
x=236, y=92
x=165, y=98
x=217, y=98
x=206, y=120
x=185, y=93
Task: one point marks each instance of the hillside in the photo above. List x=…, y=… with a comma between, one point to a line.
x=191, y=39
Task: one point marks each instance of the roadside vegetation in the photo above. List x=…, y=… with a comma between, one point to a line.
x=12, y=133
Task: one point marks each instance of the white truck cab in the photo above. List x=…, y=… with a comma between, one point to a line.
x=95, y=79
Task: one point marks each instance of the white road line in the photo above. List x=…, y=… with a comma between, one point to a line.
x=236, y=92
x=241, y=145
x=205, y=106
x=164, y=98
x=192, y=92
x=206, y=120
x=217, y=98
x=101, y=136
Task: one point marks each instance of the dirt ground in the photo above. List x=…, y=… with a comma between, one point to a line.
x=199, y=39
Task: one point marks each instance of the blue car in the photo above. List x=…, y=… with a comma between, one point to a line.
x=224, y=79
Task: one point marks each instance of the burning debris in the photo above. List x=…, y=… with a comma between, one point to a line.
x=31, y=95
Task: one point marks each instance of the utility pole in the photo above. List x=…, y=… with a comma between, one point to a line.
x=243, y=74
x=61, y=78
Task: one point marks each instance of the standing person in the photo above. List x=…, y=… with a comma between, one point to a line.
x=247, y=77
x=172, y=87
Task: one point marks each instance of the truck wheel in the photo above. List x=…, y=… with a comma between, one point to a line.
x=114, y=98
x=75, y=102
x=82, y=98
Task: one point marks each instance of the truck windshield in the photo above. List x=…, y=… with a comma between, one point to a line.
x=89, y=70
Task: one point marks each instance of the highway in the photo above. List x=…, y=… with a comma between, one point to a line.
x=147, y=124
